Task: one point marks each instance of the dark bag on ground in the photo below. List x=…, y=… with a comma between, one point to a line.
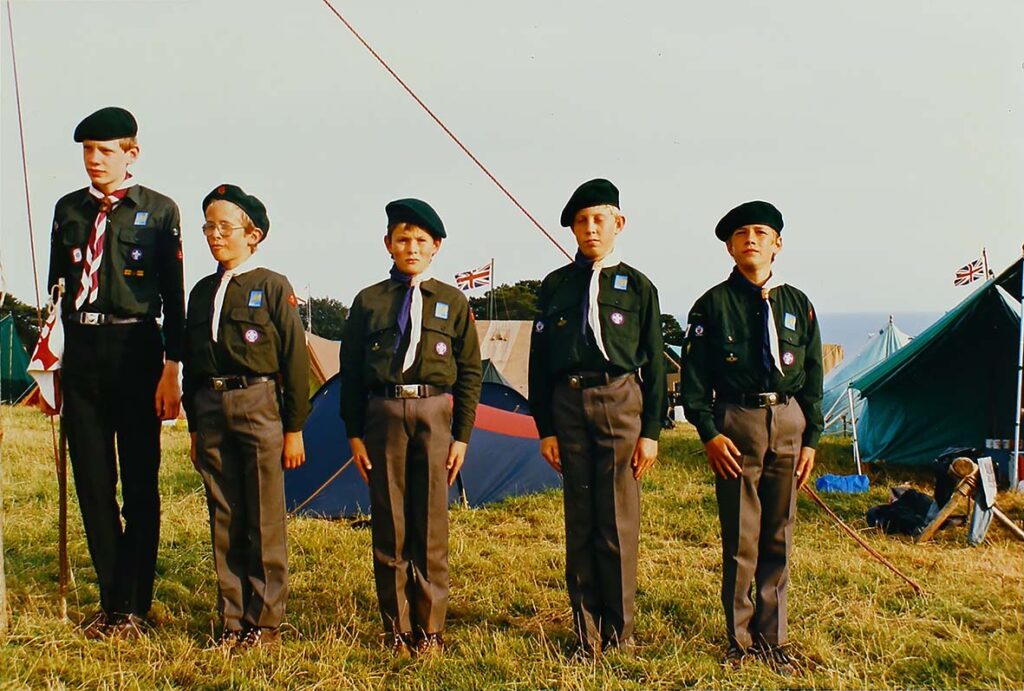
x=907, y=515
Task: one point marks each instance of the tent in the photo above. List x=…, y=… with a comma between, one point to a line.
x=15, y=381
x=506, y=344
x=952, y=386
x=503, y=460
x=492, y=373
x=324, y=357
x=880, y=345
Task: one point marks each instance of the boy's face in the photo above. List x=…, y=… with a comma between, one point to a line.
x=412, y=248
x=107, y=163
x=595, y=229
x=226, y=236
x=754, y=247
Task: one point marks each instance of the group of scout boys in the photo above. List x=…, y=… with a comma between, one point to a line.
x=751, y=384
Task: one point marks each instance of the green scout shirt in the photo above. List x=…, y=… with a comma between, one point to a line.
x=449, y=351
x=260, y=334
x=631, y=325
x=724, y=353
x=140, y=273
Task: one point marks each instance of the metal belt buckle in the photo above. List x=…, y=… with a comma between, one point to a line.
x=90, y=318
x=407, y=391
x=218, y=383
x=769, y=399
x=575, y=381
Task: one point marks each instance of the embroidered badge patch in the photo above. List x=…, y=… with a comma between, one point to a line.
x=617, y=318
x=136, y=254
x=538, y=326
x=294, y=301
x=141, y=218
x=255, y=298
x=789, y=321
x=698, y=330
x=441, y=310
x=252, y=335
x=730, y=358
x=788, y=359
x=76, y=255
x=561, y=322
x=441, y=348
x=620, y=282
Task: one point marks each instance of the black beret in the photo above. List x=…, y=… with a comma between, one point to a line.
x=597, y=192
x=252, y=206
x=416, y=212
x=749, y=214
x=107, y=124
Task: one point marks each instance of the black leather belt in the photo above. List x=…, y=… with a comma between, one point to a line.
x=237, y=381
x=754, y=400
x=101, y=319
x=586, y=380
x=407, y=391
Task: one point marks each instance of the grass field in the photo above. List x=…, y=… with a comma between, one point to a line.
x=854, y=624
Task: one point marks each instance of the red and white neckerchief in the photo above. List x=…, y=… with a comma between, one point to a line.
x=89, y=289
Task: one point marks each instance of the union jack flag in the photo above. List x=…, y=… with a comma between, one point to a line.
x=969, y=273
x=476, y=278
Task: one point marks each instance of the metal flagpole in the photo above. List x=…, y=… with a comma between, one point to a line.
x=984, y=263
x=490, y=304
x=853, y=425
x=1015, y=469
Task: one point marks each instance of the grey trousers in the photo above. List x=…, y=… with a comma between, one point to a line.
x=408, y=441
x=757, y=511
x=239, y=442
x=597, y=431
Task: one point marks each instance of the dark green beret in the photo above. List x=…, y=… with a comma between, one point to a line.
x=591, y=193
x=749, y=214
x=107, y=124
x=252, y=206
x=416, y=212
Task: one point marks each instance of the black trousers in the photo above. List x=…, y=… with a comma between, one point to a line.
x=109, y=377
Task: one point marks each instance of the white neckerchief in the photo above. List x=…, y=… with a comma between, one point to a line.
x=773, y=332
x=593, y=308
x=415, y=319
x=248, y=265
x=89, y=285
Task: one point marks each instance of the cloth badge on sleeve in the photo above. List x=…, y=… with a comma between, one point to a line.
x=252, y=335
x=620, y=282
x=141, y=218
x=538, y=326
x=787, y=358
x=255, y=298
x=789, y=321
x=76, y=255
x=441, y=348
x=698, y=330
x=441, y=311
x=618, y=318
x=136, y=254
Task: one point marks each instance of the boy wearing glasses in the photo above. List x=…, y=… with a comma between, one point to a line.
x=116, y=245
x=246, y=394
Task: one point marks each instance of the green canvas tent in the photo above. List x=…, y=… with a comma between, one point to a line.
x=14, y=380
x=492, y=373
x=953, y=385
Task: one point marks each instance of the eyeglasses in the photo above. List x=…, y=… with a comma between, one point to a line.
x=224, y=229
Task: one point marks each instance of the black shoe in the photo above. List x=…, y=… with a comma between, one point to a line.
x=778, y=658
x=402, y=644
x=128, y=627
x=260, y=637
x=430, y=644
x=228, y=639
x=96, y=627
x=735, y=656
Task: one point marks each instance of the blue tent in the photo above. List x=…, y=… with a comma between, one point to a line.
x=503, y=458
x=834, y=403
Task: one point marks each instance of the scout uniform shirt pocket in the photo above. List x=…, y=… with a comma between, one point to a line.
x=730, y=351
x=251, y=339
x=379, y=346
x=559, y=328
x=436, y=344
x=792, y=352
x=620, y=324
x=199, y=345
x=74, y=236
x=135, y=262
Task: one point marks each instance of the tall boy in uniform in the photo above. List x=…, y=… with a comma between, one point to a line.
x=408, y=340
x=246, y=398
x=117, y=247
x=751, y=384
x=597, y=392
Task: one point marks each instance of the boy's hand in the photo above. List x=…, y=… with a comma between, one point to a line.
x=644, y=456
x=192, y=450
x=294, y=451
x=724, y=457
x=804, y=466
x=361, y=458
x=168, y=392
x=549, y=450
x=456, y=457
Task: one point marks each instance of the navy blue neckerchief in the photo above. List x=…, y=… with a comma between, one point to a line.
x=743, y=283
x=587, y=265
x=405, y=311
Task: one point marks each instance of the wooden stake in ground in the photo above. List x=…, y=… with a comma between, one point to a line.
x=967, y=471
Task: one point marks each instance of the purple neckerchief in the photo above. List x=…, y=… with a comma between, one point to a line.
x=742, y=282
x=406, y=309
x=585, y=264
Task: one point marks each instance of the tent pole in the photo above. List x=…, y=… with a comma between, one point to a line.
x=853, y=426
x=1015, y=474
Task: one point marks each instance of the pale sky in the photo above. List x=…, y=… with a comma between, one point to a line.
x=890, y=133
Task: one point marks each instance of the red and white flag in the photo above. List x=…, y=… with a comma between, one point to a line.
x=476, y=278
x=969, y=273
x=47, y=356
